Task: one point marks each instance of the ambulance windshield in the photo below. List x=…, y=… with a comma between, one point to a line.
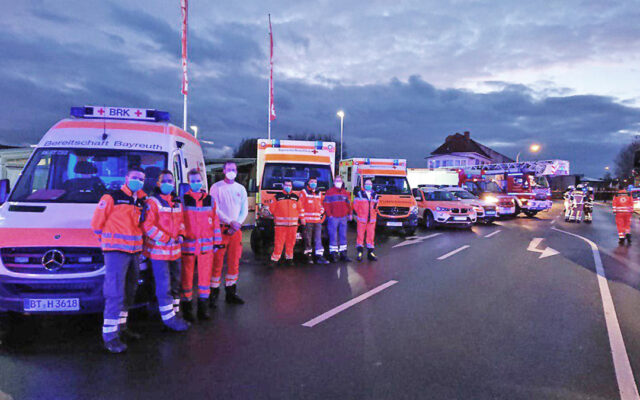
x=390, y=185
x=82, y=175
x=275, y=173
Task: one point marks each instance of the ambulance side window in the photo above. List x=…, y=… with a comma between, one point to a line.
x=349, y=174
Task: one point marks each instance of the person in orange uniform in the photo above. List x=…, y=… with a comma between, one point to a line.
x=365, y=204
x=163, y=225
x=313, y=216
x=623, y=209
x=287, y=211
x=202, y=239
x=116, y=222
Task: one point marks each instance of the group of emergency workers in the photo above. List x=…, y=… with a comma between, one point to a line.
x=176, y=236
x=311, y=208
x=578, y=204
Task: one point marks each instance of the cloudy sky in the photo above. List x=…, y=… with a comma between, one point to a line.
x=563, y=74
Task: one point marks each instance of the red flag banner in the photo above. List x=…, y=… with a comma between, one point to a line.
x=184, y=4
x=272, y=107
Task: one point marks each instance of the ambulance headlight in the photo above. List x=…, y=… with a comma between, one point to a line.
x=414, y=210
x=491, y=199
x=265, y=212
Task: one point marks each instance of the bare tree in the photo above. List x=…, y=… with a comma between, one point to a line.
x=624, y=160
x=323, y=138
x=248, y=148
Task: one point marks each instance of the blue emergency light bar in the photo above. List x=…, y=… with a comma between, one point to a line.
x=122, y=113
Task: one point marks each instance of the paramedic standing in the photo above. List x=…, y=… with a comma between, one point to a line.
x=116, y=222
x=365, y=205
x=201, y=241
x=287, y=210
x=337, y=205
x=163, y=225
x=623, y=209
x=232, y=208
x=311, y=200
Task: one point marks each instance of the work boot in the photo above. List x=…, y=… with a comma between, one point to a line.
x=203, y=309
x=128, y=336
x=321, y=260
x=188, y=311
x=289, y=262
x=271, y=264
x=333, y=257
x=176, y=324
x=308, y=258
x=115, y=346
x=621, y=241
x=628, y=237
x=231, y=297
x=360, y=251
x=566, y=219
x=372, y=256
x=215, y=292
x=344, y=257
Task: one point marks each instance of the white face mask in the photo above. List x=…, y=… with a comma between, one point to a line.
x=338, y=185
x=231, y=175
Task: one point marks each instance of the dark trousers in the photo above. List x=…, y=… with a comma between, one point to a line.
x=313, y=238
x=119, y=289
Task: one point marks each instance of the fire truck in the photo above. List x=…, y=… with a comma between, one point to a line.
x=526, y=181
x=279, y=160
x=397, y=208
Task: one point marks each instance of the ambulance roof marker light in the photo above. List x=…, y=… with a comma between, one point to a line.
x=121, y=113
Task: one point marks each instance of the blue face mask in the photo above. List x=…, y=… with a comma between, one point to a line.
x=166, y=188
x=196, y=186
x=287, y=189
x=313, y=185
x=134, y=185
x=368, y=187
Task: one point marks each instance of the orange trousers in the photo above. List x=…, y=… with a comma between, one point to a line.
x=204, y=262
x=623, y=223
x=285, y=238
x=233, y=250
x=367, y=229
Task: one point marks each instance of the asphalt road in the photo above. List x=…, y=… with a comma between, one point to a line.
x=447, y=314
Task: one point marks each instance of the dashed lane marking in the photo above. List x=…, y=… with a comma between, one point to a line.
x=348, y=304
x=449, y=254
x=493, y=233
x=624, y=374
x=416, y=239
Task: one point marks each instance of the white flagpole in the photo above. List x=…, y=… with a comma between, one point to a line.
x=270, y=82
x=184, y=114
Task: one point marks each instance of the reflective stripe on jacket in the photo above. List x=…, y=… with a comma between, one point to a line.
x=202, y=226
x=163, y=222
x=312, y=203
x=366, y=209
x=287, y=209
x=116, y=221
x=622, y=202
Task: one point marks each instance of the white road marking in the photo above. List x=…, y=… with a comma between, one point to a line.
x=493, y=233
x=624, y=374
x=553, y=222
x=348, y=304
x=548, y=252
x=449, y=254
x=416, y=239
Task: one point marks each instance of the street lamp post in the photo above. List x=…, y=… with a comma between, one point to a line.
x=341, y=115
x=534, y=148
x=194, y=128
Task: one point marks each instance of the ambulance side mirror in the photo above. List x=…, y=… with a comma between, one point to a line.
x=417, y=194
x=5, y=189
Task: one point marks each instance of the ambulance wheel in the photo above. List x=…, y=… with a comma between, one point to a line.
x=427, y=221
x=257, y=244
x=530, y=214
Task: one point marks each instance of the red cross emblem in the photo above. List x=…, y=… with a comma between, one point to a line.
x=315, y=151
x=101, y=111
x=137, y=113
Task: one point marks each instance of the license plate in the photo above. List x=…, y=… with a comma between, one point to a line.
x=391, y=223
x=490, y=213
x=459, y=218
x=52, y=305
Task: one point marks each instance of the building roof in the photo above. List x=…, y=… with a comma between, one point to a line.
x=462, y=143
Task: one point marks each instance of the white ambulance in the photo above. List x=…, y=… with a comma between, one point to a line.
x=50, y=260
x=279, y=160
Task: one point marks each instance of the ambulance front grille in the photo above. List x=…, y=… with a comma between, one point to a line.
x=393, y=210
x=29, y=260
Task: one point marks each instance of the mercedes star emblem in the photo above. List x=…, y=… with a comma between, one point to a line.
x=53, y=260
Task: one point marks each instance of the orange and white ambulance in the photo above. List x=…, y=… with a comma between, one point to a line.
x=279, y=160
x=50, y=260
x=397, y=208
